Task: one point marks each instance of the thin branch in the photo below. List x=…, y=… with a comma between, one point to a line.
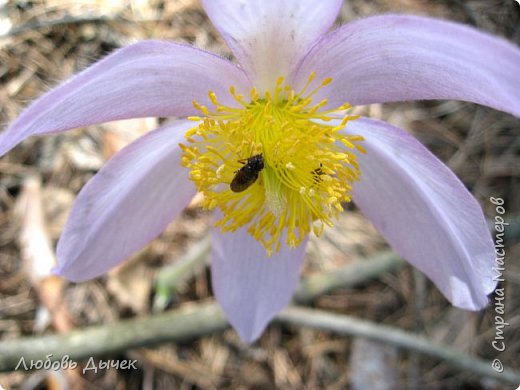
x=170, y=279
x=349, y=276
x=207, y=318
x=67, y=19
x=177, y=325
x=351, y=326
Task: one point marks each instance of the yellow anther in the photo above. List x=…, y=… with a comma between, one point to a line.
x=213, y=98
x=191, y=132
x=361, y=149
x=204, y=110
x=326, y=81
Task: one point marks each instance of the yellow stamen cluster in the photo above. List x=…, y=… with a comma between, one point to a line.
x=308, y=165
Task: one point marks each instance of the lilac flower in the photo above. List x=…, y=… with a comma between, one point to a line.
x=286, y=102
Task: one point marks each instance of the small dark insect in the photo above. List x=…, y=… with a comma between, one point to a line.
x=317, y=173
x=248, y=174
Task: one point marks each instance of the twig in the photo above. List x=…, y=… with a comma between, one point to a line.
x=171, y=278
x=177, y=325
x=349, y=276
x=68, y=19
x=310, y=287
x=352, y=326
x=207, y=318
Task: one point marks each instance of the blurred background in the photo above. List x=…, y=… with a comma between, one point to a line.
x=43, y=42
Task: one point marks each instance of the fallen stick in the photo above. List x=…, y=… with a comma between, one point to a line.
x=201, y=319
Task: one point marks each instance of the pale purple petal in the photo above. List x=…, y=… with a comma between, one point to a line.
x=393, y=58
x=251, y=287
x=269, y=37
x=128, y=203
x=150, y=78
x=424, y=212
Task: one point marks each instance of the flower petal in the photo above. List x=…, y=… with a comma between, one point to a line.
x=251, y=287
x=392, y=58
x=269, y=37
x=424, y=212
x=150, y=78
x=128, y=203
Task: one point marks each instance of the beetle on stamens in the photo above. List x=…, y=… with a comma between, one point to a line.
x=247, y=174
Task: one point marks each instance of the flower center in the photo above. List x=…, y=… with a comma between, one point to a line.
x=274, y=163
